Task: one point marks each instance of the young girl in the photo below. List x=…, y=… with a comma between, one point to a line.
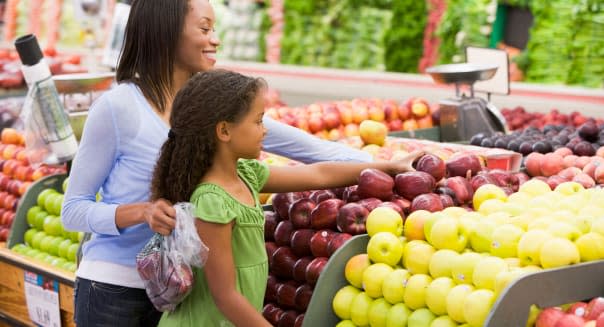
x=208, y=159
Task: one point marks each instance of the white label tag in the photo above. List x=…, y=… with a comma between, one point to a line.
x=42, y=297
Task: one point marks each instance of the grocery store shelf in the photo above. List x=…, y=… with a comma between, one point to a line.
x=25, y=263
x=303, y=85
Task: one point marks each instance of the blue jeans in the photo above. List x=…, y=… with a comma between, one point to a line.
x=100, y=304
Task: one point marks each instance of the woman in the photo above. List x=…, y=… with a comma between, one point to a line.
x=165, y=43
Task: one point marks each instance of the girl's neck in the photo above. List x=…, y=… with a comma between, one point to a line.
x=223, y=170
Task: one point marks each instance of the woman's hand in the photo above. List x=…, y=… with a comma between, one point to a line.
x=406, y=163
x=161, y=216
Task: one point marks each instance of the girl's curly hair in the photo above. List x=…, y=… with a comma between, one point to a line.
x=207, y=99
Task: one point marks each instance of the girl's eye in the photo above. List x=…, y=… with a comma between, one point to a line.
x=206, y=30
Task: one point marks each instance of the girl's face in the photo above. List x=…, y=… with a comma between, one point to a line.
x=248, y=133
x=197, y=44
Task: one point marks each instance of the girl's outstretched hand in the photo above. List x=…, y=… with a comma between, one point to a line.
x=161, y=216
x=406, y=164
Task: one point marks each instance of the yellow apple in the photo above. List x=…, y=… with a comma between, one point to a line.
x=378, y=312
x=415, y=291
x=534, y=187
x=573, y=203
x=436, y=295
x=398, y=315
x=504, y=241
x=373, y=132
x=529, y=246
x=513, y=262
x=490, y=206
x=359, y=309
x=514, y=208
x=429, y=223
x=441, y=263
x=383, y=219
x=455, y=301
x=373, y=278
x=533, y=314
x=486, y=270
x=448, y=233
x=480, y=237
x=443, y=321
x=564, y=230
x=561, y=215
x=342, y=301
x=531, y=269
x=557, y=252
x=394, y=284
x=521, y=220
x=500, y=217
x=385, y=247
x=592, y=210
x=420, y=318
x=353, y=271
x=473, y=215
x=582, y=222
x=540, y=223
x=416, y=256
x=414, y=225
x=520, y=198
x=597, y=226
x=346, y=323
x=487, y=192
x=569, y=188
x=463, y=267
x=477, y=306
x=542, y=201
x=591, y=246
x=454, y=212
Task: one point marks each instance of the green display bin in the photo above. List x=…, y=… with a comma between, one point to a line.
x=431, y=134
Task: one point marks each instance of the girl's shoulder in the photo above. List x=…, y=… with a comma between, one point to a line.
x=254, y=172
x=213, y=203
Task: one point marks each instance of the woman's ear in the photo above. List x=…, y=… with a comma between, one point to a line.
x=222, y=131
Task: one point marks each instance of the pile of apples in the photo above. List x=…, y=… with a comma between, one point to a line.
x=561, y=166
x=340, y=119
x=16, y=175
x=578, y=314
x=47, y=240
x=519, y=119
x=447, y=268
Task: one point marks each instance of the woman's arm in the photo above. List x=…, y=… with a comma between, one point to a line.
x=329, y=174
x=296, y=144
x=220, y=273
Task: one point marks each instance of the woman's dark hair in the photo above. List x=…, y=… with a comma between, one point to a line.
x=204, y=101
x=150, y=44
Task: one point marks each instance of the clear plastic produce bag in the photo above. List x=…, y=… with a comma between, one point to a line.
x=165, y=262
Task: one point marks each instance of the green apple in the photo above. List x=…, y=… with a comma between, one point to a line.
x=441, y=263
x=529, y=246
x=64, y=184
x=45, y=243
x=343, y=300
x=398, y=315
x=480, y=237
x=504, y=241
x=378, y=312
x=58, y=262
x=359, y=309
x=569, y=188
x=31, y=252
x=486, y=270
x=534, y=312
x=591, y=246
x=463, y=268
x=29, y=235
x=373, y=278
x=415, y=291
x=385, y=247
x=346, y=323
x=37, y=239
x=72, y=252
x=448, y=233
x=454, y=212
x=42, y=197
x=353, y=271
x=477, y=306
x=597, y=226
x=64, y=248
x=564, y=230
x=420, y=318
x=429, y=223
x=393, y=287
x=41, y=256
x=436, y=295
x=534, y=187
x=54, y=245
x=504, y=278
x=383, y=219
x=491, y=206
x=414, y=225
x=487, y=192
x=416, y=256
x=39, y=220
x=19, y=248
x=31, y=215
x=443, y=321
x=557, y=252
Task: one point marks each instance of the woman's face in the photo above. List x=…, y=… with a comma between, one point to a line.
x=197, y=45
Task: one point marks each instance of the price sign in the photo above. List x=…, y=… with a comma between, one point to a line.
x=42, y=297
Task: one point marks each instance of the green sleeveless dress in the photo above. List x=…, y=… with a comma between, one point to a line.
x=213, y=204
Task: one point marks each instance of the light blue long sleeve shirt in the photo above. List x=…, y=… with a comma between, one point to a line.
x=117, y=154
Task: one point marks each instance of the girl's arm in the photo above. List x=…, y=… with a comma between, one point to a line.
x=220, y=273
x=329, y=174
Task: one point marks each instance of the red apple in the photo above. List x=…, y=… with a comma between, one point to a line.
x=331, y=119
x=288, y=319
x=504, y=178
x=299, y=320
x=446, y=200
x=430, y=202
x=316, y=124
x=283, y=262
x=336, y=242
x=321, y=195
x=570, y=320
x=350, y=194
x=401, y=202
x=4, y=234
x=395, y=125
x=600, y=320
x=393, y=206
x=319, y=242
x=325, y=213
x=270, y=224
x=462, y=189
x=8, y=219
x=370, y=203
x=375, y=183
x=594, y=309
x=411, y=184
x=299, y=212
x=351, y=218
x=460, y=165
x=272, y=285
x=314, y=269
x=272, y=313
x=302, y=298
x=286, y=295
x=299, y=274
x=432, y=165
x=338, y=192
x=578, y=309
x=300, y=242
x=549, y=317
x=283, y=232
x=554, y=181
x=282, y=202
x=480, y=180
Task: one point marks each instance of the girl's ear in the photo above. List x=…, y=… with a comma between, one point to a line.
x=222, y=131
